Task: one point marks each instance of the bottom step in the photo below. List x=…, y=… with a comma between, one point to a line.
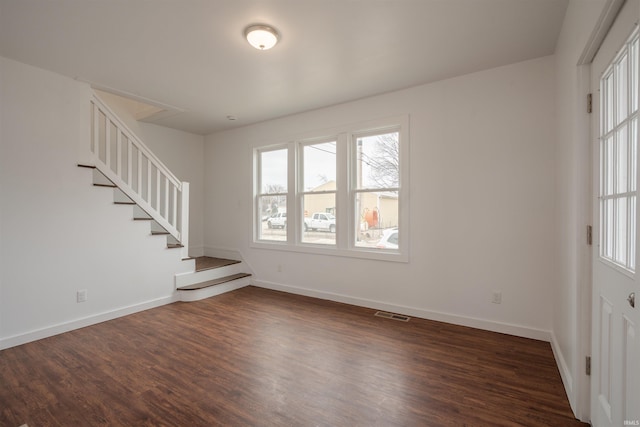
x=210, y=288
x=213, y=282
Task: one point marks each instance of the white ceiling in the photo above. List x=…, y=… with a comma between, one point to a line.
x=190, y=57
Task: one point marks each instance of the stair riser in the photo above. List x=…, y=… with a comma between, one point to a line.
x=100, y=179
x=139, y=213
x=205, y=275
x=155, y=227
x=189, y=296
x=120, y=197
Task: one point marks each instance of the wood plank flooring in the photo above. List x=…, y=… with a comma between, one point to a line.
x=255, y=357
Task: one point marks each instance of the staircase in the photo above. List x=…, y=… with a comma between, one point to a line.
x=128, y=164
x=120, y=161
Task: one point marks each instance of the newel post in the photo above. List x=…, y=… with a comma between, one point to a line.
x=184, y=220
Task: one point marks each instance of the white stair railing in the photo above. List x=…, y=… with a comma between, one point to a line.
x=123, y=158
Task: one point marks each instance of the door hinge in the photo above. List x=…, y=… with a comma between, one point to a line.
x=588, y=365
x=589, y=103
x=589, y=235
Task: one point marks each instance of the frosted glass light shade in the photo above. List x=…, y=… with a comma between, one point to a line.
x=261, y=37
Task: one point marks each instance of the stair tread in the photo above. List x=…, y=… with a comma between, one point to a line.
x=105, y=185
x=207, y=263
x=213, y=282
x=124, y=203
x=174, y=245
x=159, y=233
x=80, y=165
x=142, y=219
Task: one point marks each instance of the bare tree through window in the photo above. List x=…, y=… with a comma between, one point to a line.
x=383, y=159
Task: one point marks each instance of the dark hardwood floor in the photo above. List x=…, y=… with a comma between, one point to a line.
x=255, y=357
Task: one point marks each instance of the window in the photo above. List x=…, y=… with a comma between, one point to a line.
x=377, y=181
x=318, y=192
x=618, y=153
x=344, y=193
x=271, y=199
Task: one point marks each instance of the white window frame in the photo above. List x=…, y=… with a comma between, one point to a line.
x=610, y=125
x=353, y=180
x=345, y=137
x=302, y=192
x=257, y=191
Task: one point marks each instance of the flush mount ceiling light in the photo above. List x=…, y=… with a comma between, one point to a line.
x=261, y=37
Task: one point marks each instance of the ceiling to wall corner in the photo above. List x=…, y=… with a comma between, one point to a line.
x=190, y=61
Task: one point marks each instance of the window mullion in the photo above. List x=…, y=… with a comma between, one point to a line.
x=614, y=174
x=298, y=157
x=343, y=205
x=293, y=211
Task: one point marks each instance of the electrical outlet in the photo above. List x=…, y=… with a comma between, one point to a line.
x=496, y=297
x=279, y=268
x=81, y=295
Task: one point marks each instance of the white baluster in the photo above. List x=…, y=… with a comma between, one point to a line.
x=119, y=153
x=129, y=162
x=149, y=182
x=107, y=142
x=175, y=206
x=139, y=186
x=96, y=130
x=166, y=199
x=158, y=199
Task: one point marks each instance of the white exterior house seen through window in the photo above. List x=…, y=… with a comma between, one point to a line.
x=341, y=193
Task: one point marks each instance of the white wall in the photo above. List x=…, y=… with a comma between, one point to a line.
x=59, y=233
x=481, y=195
x=572, y=294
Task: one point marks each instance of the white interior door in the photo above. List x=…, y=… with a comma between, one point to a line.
x=615, y=380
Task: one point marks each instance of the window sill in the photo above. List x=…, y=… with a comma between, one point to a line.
x=361, y=253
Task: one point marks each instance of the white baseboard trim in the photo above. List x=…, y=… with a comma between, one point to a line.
x=565, y=372
x=488, y=325
x=71, y=325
